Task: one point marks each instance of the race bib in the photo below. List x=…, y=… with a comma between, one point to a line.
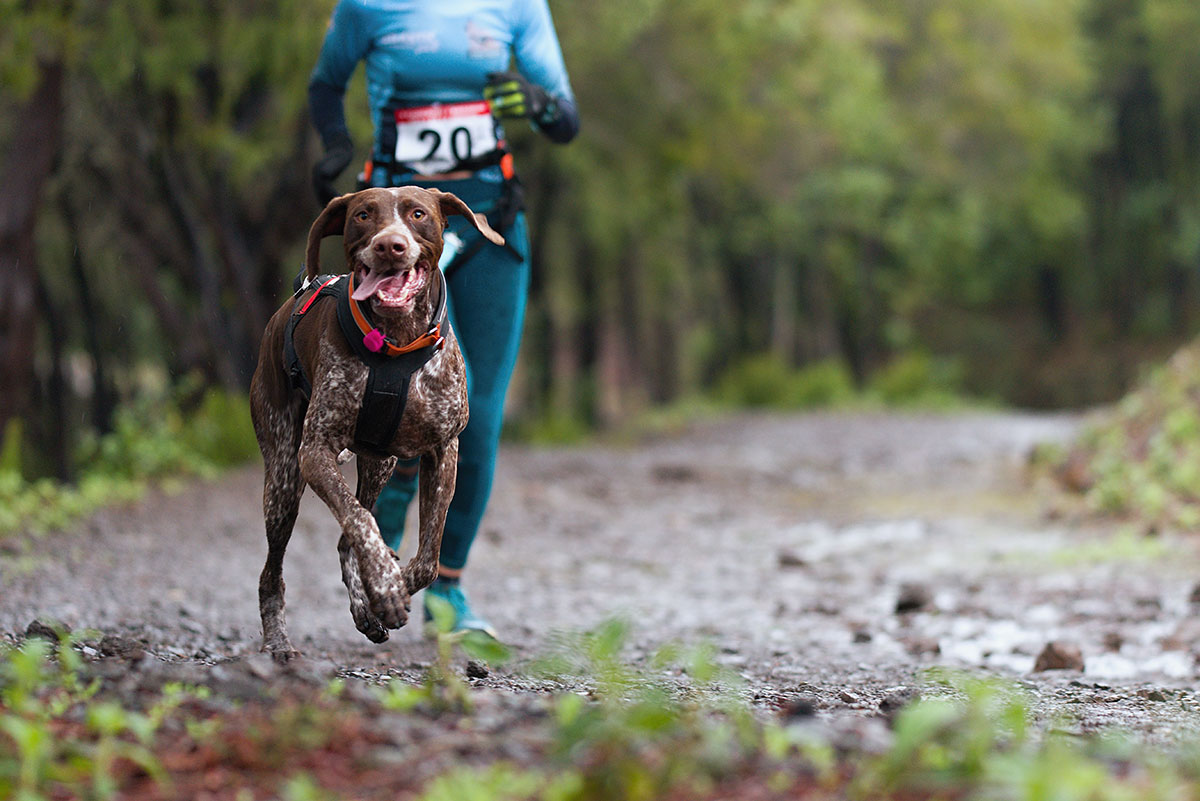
x=433, y=139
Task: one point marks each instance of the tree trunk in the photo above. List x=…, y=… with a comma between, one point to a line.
x=27, y=165
x=784, y=323
x=103, y=394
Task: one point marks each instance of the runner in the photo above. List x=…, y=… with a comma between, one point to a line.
x=439, y=84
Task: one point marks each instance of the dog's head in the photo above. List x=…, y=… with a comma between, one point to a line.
x=393, y=240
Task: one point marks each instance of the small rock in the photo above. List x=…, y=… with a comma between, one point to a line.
x=897, y=699
x=47, y=631
x=848, y=697
x=787, y=558
x=476, y=670
x=802, y=706
x=1059, y=655
x=674, y=473
x=1195, y=595
x=112, y=645
x=1113, y=641
x=920, y=646
x=913, y=597
x=862, y=635
x=1153, y=694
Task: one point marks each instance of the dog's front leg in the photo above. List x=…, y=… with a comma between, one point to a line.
x=372, y=475
x=382, y=581
x=439, y=468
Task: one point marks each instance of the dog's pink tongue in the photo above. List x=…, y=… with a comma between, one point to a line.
x=369, y=285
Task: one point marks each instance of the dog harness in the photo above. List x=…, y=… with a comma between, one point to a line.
x=391, y=366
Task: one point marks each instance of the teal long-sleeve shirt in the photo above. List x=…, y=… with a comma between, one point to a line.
x=420, y=53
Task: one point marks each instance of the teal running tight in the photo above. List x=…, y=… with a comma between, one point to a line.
x=487, y=311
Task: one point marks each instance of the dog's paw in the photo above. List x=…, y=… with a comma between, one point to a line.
x=368, y=624
x=281, y=651
x=387, y=596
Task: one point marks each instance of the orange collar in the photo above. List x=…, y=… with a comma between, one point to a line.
x=374, y=339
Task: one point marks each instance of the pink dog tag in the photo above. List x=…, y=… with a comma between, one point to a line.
x=374, y=340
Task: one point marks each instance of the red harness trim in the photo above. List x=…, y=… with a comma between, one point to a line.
x=317, y=294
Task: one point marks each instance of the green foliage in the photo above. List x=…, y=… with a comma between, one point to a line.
x=645, y=733
x=497, y=782
x=917, y=378
x=978, y=743
x=155, y=438
x=641, y=735
x=766, y=381
x=675, y=726
x=1142, y=457
x=443, y=689
x=40, y=757
x=912, y=379
x=152, y=441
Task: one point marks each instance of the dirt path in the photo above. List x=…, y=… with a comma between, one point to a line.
x=786, y=541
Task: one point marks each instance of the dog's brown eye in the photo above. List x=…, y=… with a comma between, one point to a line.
x=418, y=214
x=362, y=215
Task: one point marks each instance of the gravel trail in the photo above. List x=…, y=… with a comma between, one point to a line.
x=831, y=558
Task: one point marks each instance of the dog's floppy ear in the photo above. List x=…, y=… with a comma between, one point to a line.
x=332, y=220
x=451, y=204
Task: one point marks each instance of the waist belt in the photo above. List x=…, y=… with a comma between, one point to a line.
x=390, y=366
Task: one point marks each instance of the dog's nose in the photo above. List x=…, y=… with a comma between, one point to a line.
x=390, y=246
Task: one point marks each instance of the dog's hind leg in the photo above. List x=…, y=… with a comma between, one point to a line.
x=279, y=438
x=372, y=474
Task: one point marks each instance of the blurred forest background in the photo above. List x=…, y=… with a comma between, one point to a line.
x=997, y=197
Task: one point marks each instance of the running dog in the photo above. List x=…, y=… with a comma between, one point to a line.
x=325, y=386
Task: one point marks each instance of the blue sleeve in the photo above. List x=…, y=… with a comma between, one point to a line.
x=346, y=43
x=539, y=58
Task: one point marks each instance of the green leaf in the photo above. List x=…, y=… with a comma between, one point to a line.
x=482, y=646
x=442, y=612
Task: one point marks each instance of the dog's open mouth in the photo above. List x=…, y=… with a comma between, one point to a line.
x=390, y=290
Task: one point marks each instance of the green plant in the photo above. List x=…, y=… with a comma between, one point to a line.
x=63, y=739
x=152, y=440
x=443, y=689
x=676, y=724
x=1141, y=458
x=497, y=782
x=917, y=378
x=767, y=381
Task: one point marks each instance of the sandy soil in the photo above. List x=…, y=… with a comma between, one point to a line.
x=789, y=542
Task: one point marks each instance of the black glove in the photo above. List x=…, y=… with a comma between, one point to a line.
x=338, y=155
x=513, y=97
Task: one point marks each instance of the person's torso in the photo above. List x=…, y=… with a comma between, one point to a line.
x=435, y=55
x=435, y=52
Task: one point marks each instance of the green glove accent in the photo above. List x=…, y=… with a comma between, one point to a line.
x=513, y=97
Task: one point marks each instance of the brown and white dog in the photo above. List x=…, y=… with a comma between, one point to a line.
x=393, y=240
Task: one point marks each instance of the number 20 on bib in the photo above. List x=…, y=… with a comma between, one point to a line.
x=435, y=138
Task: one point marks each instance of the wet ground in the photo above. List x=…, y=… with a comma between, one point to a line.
x=830, y=558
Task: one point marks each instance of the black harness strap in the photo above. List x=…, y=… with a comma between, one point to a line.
x=291, y=359
x=388, y=377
